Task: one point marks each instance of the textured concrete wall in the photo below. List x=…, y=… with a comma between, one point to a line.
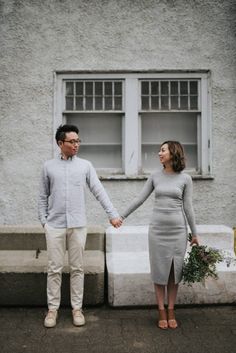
x=40, y=37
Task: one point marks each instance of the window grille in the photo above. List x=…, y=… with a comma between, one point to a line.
x=99, y=95
x=169, y=95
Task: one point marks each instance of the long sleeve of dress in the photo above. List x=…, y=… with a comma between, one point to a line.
x=187, y=205
x=139, y=200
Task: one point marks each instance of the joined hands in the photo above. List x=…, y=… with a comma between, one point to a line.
x=116, y=222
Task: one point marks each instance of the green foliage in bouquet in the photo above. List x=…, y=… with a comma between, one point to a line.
x=200, y=264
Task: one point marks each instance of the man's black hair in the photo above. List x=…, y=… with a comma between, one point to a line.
x=63, y=129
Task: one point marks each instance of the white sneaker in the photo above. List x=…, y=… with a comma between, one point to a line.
x=78, y=317
x=51, y=318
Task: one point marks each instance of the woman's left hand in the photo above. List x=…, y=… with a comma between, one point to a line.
x=194, y=241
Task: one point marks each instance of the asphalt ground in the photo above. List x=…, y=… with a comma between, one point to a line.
x=127, y=330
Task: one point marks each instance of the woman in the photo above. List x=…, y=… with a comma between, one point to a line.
x=168, y=231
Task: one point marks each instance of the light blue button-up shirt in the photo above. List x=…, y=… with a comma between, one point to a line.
x=63, y=183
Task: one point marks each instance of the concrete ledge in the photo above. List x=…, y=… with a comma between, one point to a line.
x=221, y=291
x=25, y=237
x=23, y=278
x=23, y=267
x=129, y=281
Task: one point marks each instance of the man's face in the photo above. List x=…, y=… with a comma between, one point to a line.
x=70, y=146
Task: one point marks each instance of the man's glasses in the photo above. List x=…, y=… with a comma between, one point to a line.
x=73, y=142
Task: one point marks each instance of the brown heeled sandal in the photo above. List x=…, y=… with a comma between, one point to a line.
x=162, y=322
x=172, y=323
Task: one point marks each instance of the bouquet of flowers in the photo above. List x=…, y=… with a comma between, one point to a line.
x=200, y=264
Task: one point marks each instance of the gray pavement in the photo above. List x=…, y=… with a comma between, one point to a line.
x=201, y=330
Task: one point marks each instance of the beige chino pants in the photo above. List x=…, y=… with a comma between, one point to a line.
x=56, y=239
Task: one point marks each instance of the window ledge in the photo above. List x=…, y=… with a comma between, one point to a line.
x=123, y=177
x=202, y=177
x=145, y=176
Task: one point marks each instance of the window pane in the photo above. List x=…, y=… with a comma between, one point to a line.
x=164, y=102
x=145, y=87
x=98, y=103
x=108, y=103
x=101, y=135
x=154, y=87
x=118, y=103
x=184, y=102
x=193, y=102
x=88, y=88
x=191, y=156
x=193, y=87
x=174, y=87
x=164, y=87
x=158, y=127
x=69, y=103
x=155, y=102
x=174, y=102
x=98, y=88
x=102, y=156
x=108, y=88
x=118, y=88
x=145, y=103
x=161, y=126
x=79, y=103
x=79, y=88
x=69, y=88
x=183, y=87
x=89, y=103
x=150, y=157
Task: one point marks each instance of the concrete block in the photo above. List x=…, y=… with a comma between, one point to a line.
x=23, y=277
x=129, y=281
x=23, y=267
x=218, y=236
x=127, y=238
x=25, y=237
x=220, y=291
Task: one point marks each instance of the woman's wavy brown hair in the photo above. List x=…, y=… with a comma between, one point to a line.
x=177, y=155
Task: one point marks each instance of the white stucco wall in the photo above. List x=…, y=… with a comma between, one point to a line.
x=41, y=37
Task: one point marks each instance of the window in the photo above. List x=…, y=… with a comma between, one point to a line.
x=124, y=117
x=169, y=111
x=96, y=107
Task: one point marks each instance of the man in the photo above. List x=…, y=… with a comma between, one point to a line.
x=62, y=213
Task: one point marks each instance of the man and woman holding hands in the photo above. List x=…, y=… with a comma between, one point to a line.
x=62, y=213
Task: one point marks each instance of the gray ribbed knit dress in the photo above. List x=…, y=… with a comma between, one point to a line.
x=168, y=232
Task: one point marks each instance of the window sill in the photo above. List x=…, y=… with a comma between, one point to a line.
x=123, y=177
x=145, y=177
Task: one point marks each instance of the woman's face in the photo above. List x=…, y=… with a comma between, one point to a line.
x=164, y=155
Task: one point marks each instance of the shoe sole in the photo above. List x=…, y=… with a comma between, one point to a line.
x=77, y=325
x=49, y=326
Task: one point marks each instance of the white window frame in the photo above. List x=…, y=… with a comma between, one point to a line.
x=131, y=121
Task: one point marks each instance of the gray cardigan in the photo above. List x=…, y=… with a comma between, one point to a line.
x=61, y=202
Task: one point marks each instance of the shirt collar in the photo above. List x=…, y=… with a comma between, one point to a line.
x=61, y=157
